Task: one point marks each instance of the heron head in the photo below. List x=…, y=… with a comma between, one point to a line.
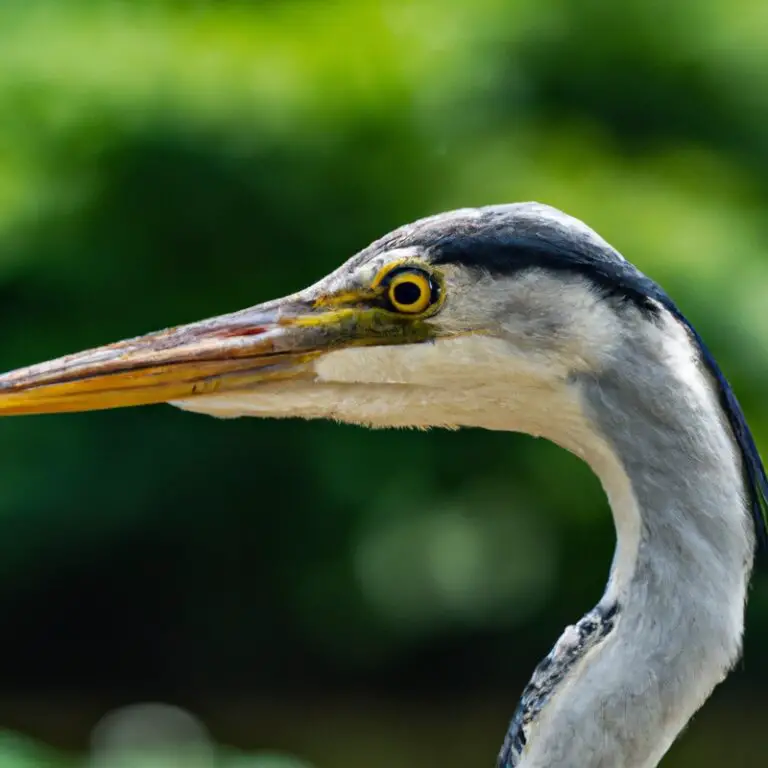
x=446, y=321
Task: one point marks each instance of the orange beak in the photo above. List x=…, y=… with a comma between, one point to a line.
x=277, y=341
x=221, y=354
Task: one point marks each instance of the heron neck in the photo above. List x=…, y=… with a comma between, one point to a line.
x=621, y=684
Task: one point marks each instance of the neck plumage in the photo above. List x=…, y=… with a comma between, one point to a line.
x=620, y=685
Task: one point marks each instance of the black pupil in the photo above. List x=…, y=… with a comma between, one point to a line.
x=407, y=293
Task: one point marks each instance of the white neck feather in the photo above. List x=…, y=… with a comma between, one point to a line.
x=679, y=577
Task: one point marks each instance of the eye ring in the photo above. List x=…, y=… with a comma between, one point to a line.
x=410, y=291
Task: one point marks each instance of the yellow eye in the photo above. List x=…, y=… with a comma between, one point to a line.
x=410, y=291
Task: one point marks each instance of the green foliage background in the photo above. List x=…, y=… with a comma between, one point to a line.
x=350, y=597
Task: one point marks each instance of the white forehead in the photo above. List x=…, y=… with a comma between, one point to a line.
x=558, y=219
x=532, y=218
x=361, y=272
x=547, y=217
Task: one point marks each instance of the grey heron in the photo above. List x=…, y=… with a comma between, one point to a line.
x=511, y=317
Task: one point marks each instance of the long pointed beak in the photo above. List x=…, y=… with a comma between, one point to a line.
x=271, y=342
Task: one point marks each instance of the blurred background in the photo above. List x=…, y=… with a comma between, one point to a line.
x=308, y=595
